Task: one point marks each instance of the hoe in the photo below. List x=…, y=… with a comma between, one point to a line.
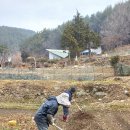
x=57, y=127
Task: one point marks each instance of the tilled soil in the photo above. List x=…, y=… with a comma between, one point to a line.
x=91, y=120
x=94, y=119
x=82, y=120
x=100, y=120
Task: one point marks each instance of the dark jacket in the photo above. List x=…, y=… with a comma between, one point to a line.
x=49, y=107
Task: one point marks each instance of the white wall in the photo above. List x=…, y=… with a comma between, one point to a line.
x=53, y=56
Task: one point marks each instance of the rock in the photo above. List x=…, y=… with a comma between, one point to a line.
x=100, y=94
x=94, y=90
x=27, y=90
x=81, y=93
x=1, y=92
x=56, y=88
x=12, y=123
x=126, y=92
x=38, y=94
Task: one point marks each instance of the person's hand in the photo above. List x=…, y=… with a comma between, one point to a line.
x=50, y=119
x=65, y=117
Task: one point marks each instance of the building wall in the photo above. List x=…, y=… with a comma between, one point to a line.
x=95, y=51
x=53, y=56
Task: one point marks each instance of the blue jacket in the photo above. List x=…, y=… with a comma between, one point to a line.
x=66, y=109
x=49, y=107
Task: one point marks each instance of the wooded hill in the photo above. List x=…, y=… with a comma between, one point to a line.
x=115, y=30
x=113, y=25
x=42, y=40
x=12, y=37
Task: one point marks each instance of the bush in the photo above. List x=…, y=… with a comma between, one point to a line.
x=114, y=60
x=53, y=61
x=46, y=64
x=42, y=60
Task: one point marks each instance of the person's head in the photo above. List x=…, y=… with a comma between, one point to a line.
x=73, y=89
x=63, y=99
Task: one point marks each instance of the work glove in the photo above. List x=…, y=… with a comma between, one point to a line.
x=65, y=117
x=50, y=118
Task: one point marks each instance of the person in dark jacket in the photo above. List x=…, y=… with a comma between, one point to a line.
x=45, y=114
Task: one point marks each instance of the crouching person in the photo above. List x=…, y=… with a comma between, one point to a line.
x=45, y=114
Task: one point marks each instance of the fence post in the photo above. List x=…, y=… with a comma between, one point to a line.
x=102, y=71
x=53, y=78
x=93, y=73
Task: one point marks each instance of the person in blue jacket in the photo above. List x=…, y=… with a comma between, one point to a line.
x=45, y=114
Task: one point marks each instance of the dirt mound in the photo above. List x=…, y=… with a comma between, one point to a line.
x=99, y=120
x=83, y=120
x=82, y=115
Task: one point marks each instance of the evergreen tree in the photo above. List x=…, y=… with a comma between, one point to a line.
x=3, y=49
x=77, y=36
x=24, y=56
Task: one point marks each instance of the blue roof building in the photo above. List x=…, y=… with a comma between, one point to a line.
x=95, y=51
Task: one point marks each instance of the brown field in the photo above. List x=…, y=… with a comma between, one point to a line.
x=21, y=98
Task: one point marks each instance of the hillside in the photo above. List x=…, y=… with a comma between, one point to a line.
x=116, y=28
x=113, y=32
x=45, y=39
x=12, y=37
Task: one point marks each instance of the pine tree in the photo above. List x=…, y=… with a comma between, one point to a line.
x=77, y=36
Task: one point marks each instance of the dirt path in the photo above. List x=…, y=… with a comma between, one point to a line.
x=14, y=111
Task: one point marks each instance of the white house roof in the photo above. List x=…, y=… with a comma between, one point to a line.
x=60, y=53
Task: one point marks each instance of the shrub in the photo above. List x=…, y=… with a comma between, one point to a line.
x=114, y=60
x=53, y=61
x=42, y=60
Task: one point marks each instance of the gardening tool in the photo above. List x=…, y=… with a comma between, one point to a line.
x=57, y=126
x=78, y=106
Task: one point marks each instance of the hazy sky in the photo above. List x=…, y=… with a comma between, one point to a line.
x=39, y=14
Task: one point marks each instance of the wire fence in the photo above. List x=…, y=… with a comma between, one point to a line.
x=66, y=73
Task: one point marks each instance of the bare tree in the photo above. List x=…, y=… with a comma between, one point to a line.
x=116, y=28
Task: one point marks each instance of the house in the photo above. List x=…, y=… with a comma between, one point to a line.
x=93, y=51
x=57, y=54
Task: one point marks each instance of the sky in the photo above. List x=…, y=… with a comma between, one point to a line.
x=39, y=14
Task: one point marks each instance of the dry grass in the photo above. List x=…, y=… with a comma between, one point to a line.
x=66, y=73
